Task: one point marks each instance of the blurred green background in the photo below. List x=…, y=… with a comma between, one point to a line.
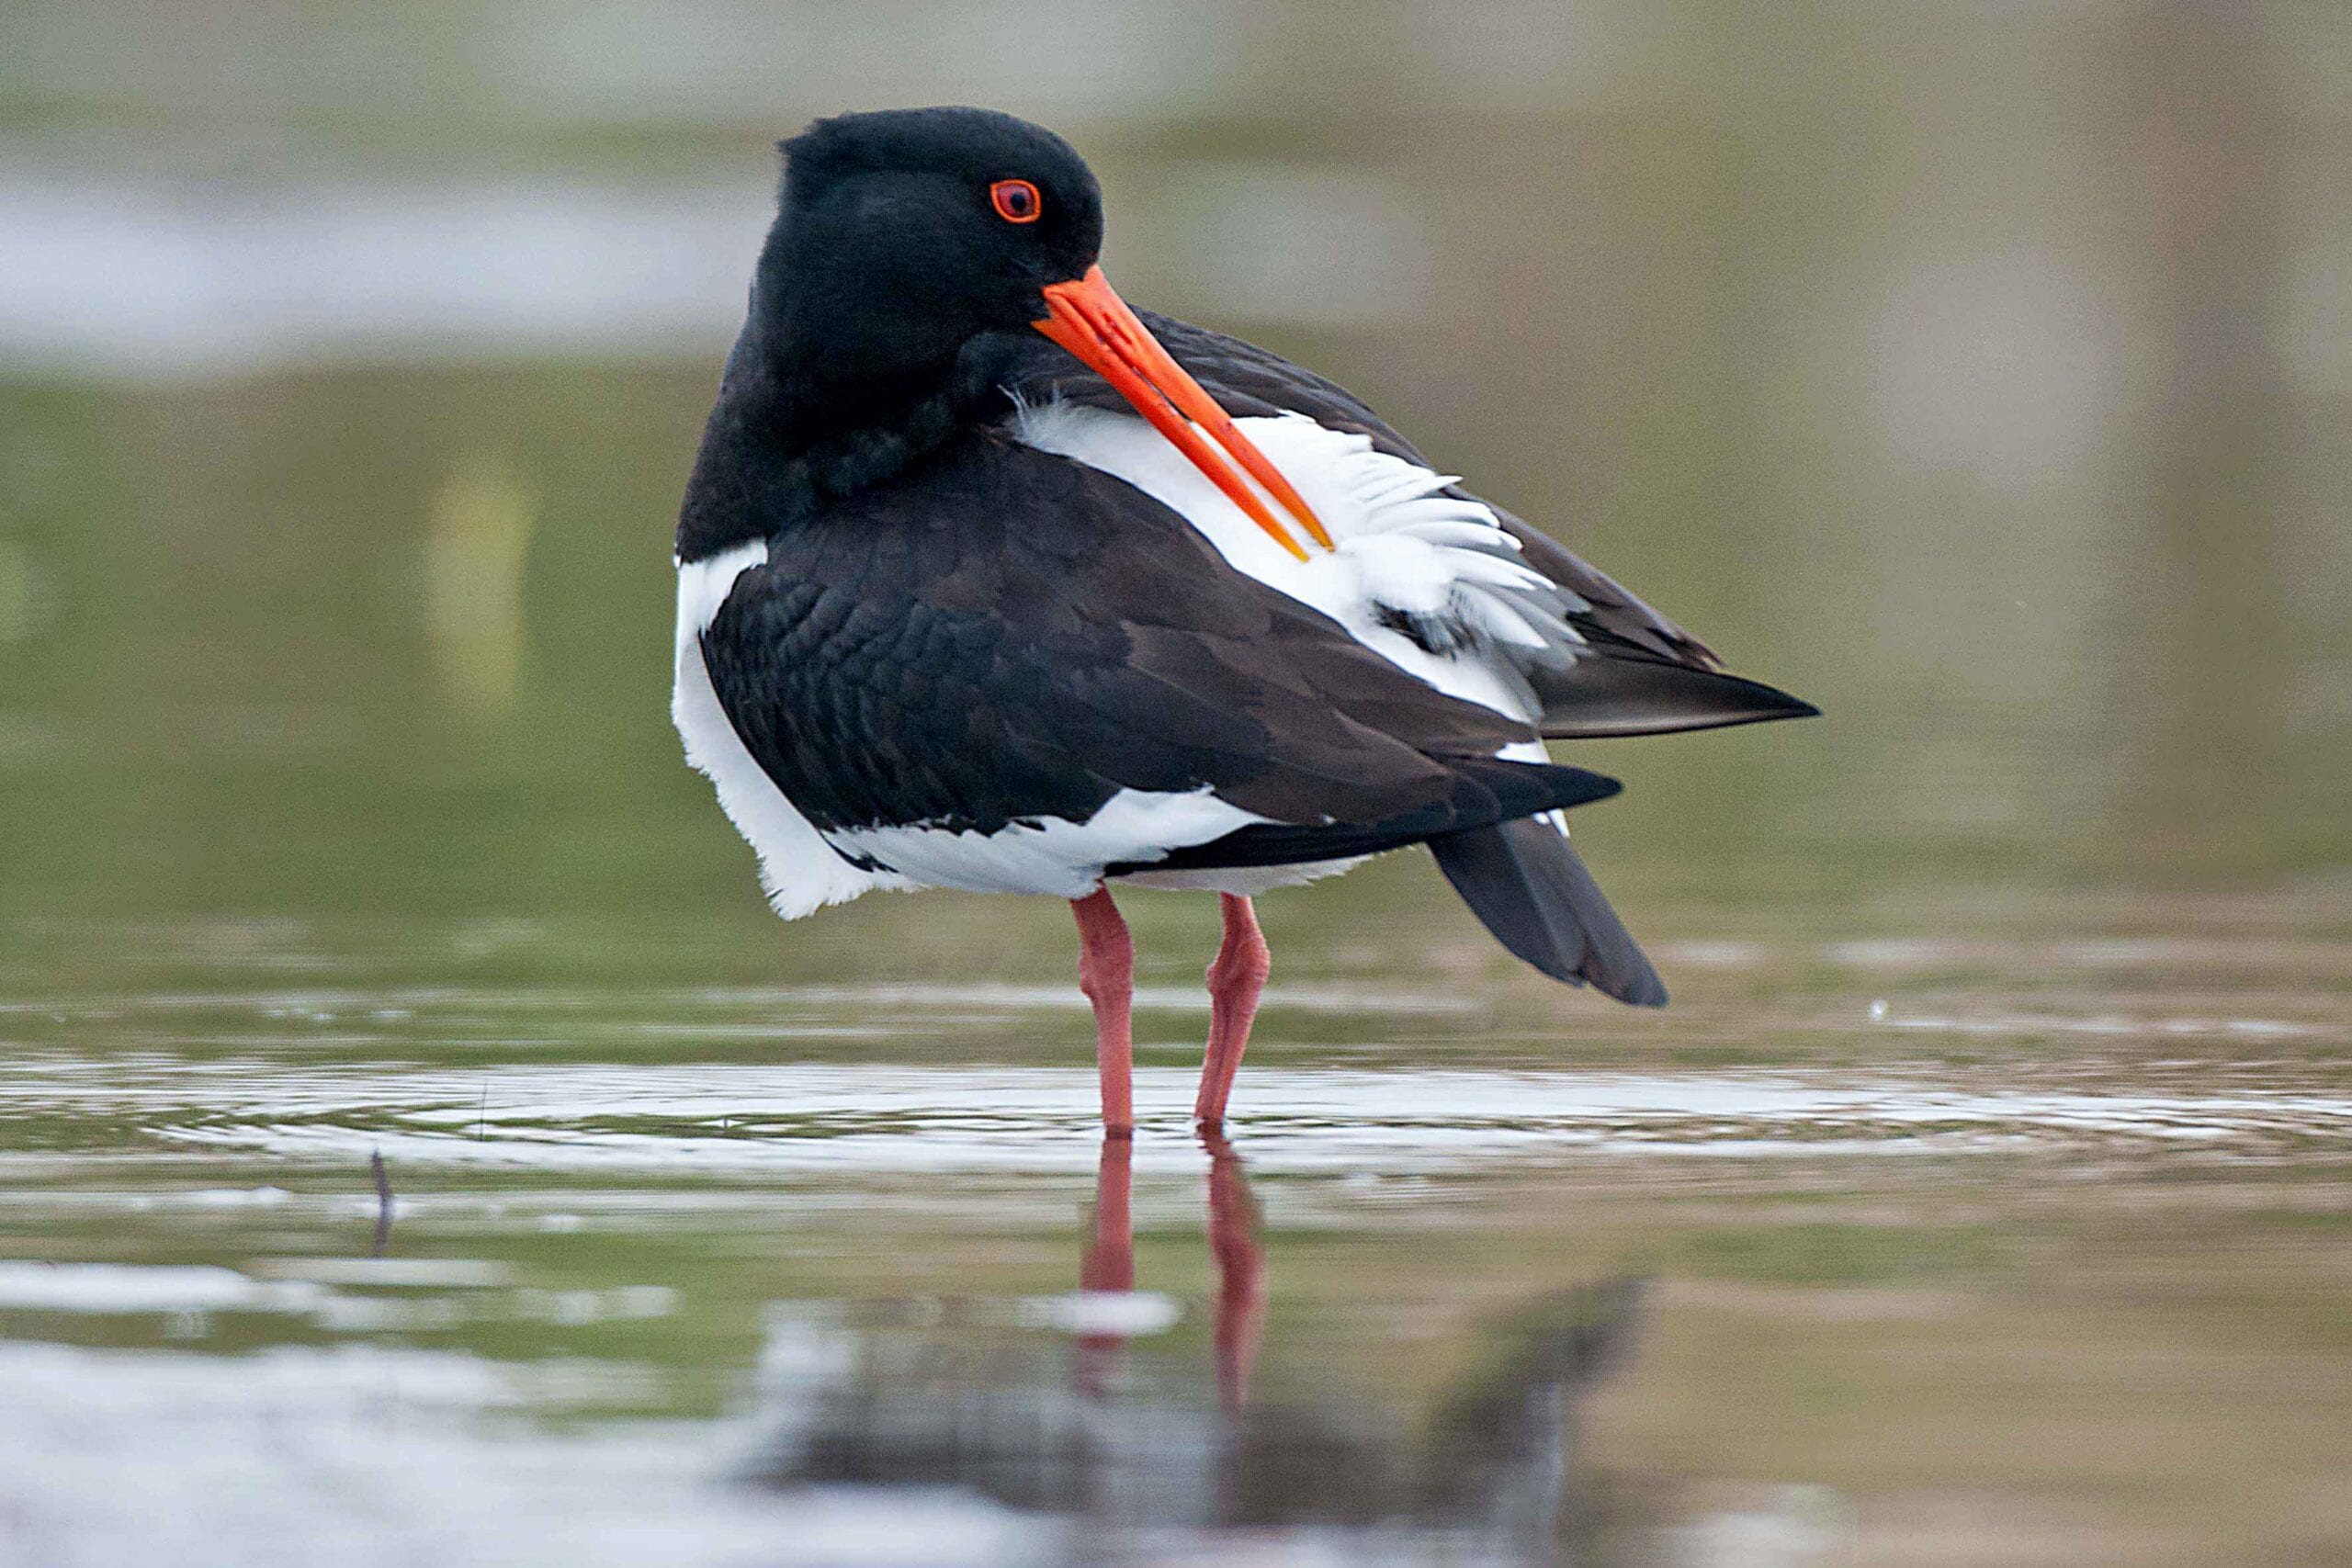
x=1980, y=372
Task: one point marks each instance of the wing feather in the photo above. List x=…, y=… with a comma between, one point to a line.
x=1593, y=658
x=1078, y=639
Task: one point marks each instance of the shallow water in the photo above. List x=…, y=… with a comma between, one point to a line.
x=1962, y=1250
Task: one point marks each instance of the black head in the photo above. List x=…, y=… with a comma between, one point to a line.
x=903, y=234
x=903, y=240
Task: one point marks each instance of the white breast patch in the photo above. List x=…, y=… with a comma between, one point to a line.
x=801, y=873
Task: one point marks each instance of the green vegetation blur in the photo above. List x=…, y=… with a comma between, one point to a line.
x=1979, y=373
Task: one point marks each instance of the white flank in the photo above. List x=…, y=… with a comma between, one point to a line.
x=1050, y=855
x=1400, y=547
x=1247, y=880
x=801, y=873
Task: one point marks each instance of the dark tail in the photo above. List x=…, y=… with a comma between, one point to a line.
x=1537, y=898
x=1593, y=698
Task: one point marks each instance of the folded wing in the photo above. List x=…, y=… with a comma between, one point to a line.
x=1584, y=657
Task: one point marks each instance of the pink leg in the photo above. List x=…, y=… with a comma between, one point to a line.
x=1235, y=980
x=1106, y=973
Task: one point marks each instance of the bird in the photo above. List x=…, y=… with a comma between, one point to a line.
x=988, y=581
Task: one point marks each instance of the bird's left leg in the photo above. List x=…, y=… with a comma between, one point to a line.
x=1106, y=973
x=1236, y=978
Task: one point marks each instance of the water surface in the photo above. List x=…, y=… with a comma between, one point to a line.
x=1870, y=1250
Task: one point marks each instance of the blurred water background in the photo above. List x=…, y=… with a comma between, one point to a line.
x=1983, y=372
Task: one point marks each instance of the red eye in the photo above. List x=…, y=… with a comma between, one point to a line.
x=1016, y=201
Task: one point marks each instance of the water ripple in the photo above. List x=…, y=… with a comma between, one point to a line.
x=752, y=1120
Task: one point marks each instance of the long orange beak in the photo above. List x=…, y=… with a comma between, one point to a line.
x=1087, y=318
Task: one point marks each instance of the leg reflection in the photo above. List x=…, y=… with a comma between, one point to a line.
x=1240, y=1272
x=1239, y=1312
x=1109, y=1263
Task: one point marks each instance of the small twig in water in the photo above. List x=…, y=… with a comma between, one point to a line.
x=383, y=1203
x=482, y=1113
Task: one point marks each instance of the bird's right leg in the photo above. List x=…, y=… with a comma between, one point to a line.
x=1106, y=973
x=1236, y=981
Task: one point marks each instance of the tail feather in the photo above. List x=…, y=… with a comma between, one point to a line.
x=1603, y=696
x=1523, y=880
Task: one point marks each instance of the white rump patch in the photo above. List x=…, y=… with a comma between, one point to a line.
x=1402, y=550
x=801, y=873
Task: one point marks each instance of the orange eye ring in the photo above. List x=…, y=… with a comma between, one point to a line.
x=1016, y=201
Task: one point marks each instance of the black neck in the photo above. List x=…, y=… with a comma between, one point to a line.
x=785, y=438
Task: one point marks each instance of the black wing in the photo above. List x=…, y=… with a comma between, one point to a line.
x=1003, y=636
x=1629, y=671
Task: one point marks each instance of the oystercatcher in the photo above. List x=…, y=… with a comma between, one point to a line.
x=988, y=582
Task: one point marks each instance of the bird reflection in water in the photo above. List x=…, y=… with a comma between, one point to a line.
x=1136, y=1441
